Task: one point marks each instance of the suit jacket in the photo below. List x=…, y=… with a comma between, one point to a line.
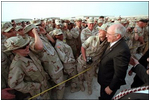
x=114, y=65
x=137, y=79
x=141, y=73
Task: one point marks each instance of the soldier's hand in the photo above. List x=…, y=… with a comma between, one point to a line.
x=34, y=31
x=133, y=61
x=6, y=95
x=130, y=72
x=42, y=30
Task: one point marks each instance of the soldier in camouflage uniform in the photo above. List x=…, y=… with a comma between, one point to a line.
x=7, y=32
x=84, y=25
x=65, y=31
x=137, y=39
x=95, y=24
x=26, y=73
x=89, y=31
x=146, y=37
x=49, y=26
x=79, y=28
x=93, y=47
x=49, y=58
x=129, y=34
x=100, y=23
x=58, y=25
x=6, y=59
x=5, y=63
x=66, y=55
x=19, y=30
x=71, y=38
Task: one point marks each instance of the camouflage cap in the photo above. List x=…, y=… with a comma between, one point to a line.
x=95, y=19
x=50, y=20
x=90, y=21
x=131, y=24
x=123, y=21
x=58, y=22
x=72, y=21
x=15, y=42
x=100, y=21
x=104, y=27
x=78, y=19
x=37, y=23
x=57, y=32
x=29, y=27
x=83, y=20
x=18, y=27
x=6, y=27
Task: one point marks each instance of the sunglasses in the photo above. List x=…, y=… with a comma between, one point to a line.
x=24, y=46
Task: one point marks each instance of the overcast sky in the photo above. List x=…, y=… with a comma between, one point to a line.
x=13, y=10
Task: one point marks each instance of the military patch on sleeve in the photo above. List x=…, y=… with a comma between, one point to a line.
x=58, y=46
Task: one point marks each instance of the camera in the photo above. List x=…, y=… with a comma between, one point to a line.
x=89, y=60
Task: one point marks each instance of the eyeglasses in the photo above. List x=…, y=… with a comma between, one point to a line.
x=24, y=46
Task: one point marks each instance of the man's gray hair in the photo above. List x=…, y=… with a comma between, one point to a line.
x=120, y=29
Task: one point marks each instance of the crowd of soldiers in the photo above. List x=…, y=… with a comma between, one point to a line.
x=40, y=54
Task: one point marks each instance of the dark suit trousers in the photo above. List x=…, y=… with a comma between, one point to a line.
x=104, y=95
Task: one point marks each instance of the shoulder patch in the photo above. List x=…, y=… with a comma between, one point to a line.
x=58, y=46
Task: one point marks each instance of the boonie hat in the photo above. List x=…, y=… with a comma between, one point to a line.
x=104, y=27
x=90, y=21
x=100, y=21
x=18, y=27
x=57, y=32
x=15, y=42
x=29, y=27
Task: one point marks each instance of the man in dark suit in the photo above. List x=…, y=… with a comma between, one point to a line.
x=143, y=61
x=114, y=62
x=138, y=93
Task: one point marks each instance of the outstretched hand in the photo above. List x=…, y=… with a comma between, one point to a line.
x=6, y=95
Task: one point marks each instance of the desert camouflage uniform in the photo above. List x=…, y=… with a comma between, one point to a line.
x=27, y=76
x=86, y=33
x=51, y=64
x=96, y=28
x=71, y=40
x=4, y=70
x=66, y=55
x=136, y=43
x=49, y=28
x=128, y=37
x=78, y=44
x=146, y=38
x=95, y=50
x=65, y=32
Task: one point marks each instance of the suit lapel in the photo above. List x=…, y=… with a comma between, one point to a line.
x=111, y=48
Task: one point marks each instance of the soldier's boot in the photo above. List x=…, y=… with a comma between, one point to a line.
x=82, y=87
x=74, y=89
x=60, y=94
x=89, y=90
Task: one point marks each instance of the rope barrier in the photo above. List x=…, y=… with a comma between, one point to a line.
x=60, y=83
x=71, y=78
